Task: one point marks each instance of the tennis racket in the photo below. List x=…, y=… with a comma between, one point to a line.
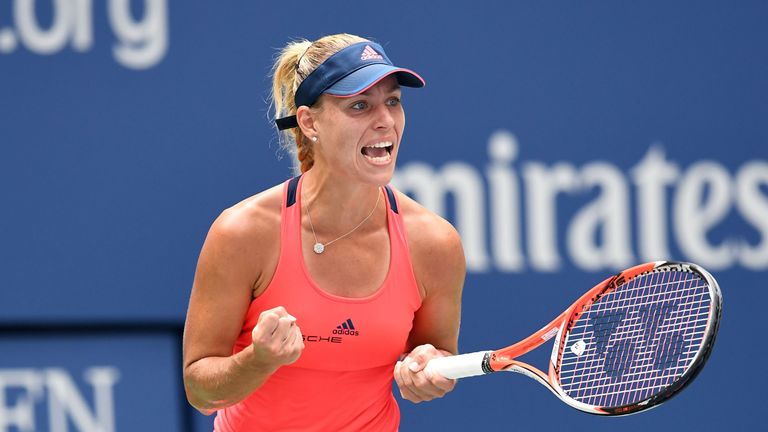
x=628, y=344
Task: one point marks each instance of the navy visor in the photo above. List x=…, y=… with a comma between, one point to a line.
x=349, y=72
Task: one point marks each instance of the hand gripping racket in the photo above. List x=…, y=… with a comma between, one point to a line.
x=628, y=344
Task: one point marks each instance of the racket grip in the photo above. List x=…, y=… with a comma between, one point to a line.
x=458, y=366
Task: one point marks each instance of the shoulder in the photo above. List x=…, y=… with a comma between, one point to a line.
x=426, y=229
x=243, y=242
x=434, y=244
x=254, y=217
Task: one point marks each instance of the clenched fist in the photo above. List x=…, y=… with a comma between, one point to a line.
x=276, y=339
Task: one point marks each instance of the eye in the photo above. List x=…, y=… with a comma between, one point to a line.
x=360, y=105
x=393, y=101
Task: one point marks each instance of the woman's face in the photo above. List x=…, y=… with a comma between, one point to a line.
x=359, y=136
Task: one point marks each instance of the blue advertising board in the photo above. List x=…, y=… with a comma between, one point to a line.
x=99, y=380
x=564, y=140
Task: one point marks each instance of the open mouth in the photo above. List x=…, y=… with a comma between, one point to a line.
x=378, y=153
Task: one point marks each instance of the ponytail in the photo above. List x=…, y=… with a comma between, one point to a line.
x=294, y=63
x=285, y=81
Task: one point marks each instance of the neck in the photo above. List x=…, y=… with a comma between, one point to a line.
x=337, y=204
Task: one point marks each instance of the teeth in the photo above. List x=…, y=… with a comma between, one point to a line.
x=379, y=160
x=382, y=144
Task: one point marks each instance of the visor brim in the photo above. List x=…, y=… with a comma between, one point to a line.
x=364, y=78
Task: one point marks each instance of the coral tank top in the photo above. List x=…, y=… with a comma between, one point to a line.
x=343, y=379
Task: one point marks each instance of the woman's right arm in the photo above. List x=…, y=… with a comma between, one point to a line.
x=231, y=266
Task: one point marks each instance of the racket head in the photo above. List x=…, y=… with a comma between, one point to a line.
x=637, y=339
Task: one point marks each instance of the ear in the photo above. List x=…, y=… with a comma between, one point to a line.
x=306, y=120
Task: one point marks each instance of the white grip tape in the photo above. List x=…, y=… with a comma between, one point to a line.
x=458, y=366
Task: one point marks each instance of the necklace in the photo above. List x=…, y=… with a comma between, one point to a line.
x=320, y=247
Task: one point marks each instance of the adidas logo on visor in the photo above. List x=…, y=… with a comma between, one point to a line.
x=370, y=54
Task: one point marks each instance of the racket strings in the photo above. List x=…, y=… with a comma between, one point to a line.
x=638, y=359
x=635, y=340
x=619, y=359
x=649, y=297
x=652, y=316
x=599, y=379
x=637, y=325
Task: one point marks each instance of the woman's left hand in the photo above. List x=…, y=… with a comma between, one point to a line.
x=415, y=385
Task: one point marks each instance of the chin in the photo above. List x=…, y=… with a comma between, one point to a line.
x=381, y=179
x=377, y=176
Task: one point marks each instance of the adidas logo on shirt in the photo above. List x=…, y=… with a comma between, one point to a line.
x=346, y=328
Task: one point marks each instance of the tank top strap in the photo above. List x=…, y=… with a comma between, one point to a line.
x=290, y=224
x=391, y=199
x=402, y=275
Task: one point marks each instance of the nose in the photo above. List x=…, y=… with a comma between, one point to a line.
x=383, y=117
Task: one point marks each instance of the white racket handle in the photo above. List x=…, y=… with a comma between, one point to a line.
x=458, y=366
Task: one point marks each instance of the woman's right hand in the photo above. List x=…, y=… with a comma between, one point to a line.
x=277, y=339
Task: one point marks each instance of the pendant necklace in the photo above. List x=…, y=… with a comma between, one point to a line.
x=320, y=247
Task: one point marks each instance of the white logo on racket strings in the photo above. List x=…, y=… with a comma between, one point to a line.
x=578, y=347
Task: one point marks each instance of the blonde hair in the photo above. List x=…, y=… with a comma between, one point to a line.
x=294, y=63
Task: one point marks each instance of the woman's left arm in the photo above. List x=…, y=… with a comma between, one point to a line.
x=439, y=265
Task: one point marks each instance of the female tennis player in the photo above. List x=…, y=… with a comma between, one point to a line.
x=307, y=294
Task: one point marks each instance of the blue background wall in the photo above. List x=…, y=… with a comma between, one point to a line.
x=127, y=126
